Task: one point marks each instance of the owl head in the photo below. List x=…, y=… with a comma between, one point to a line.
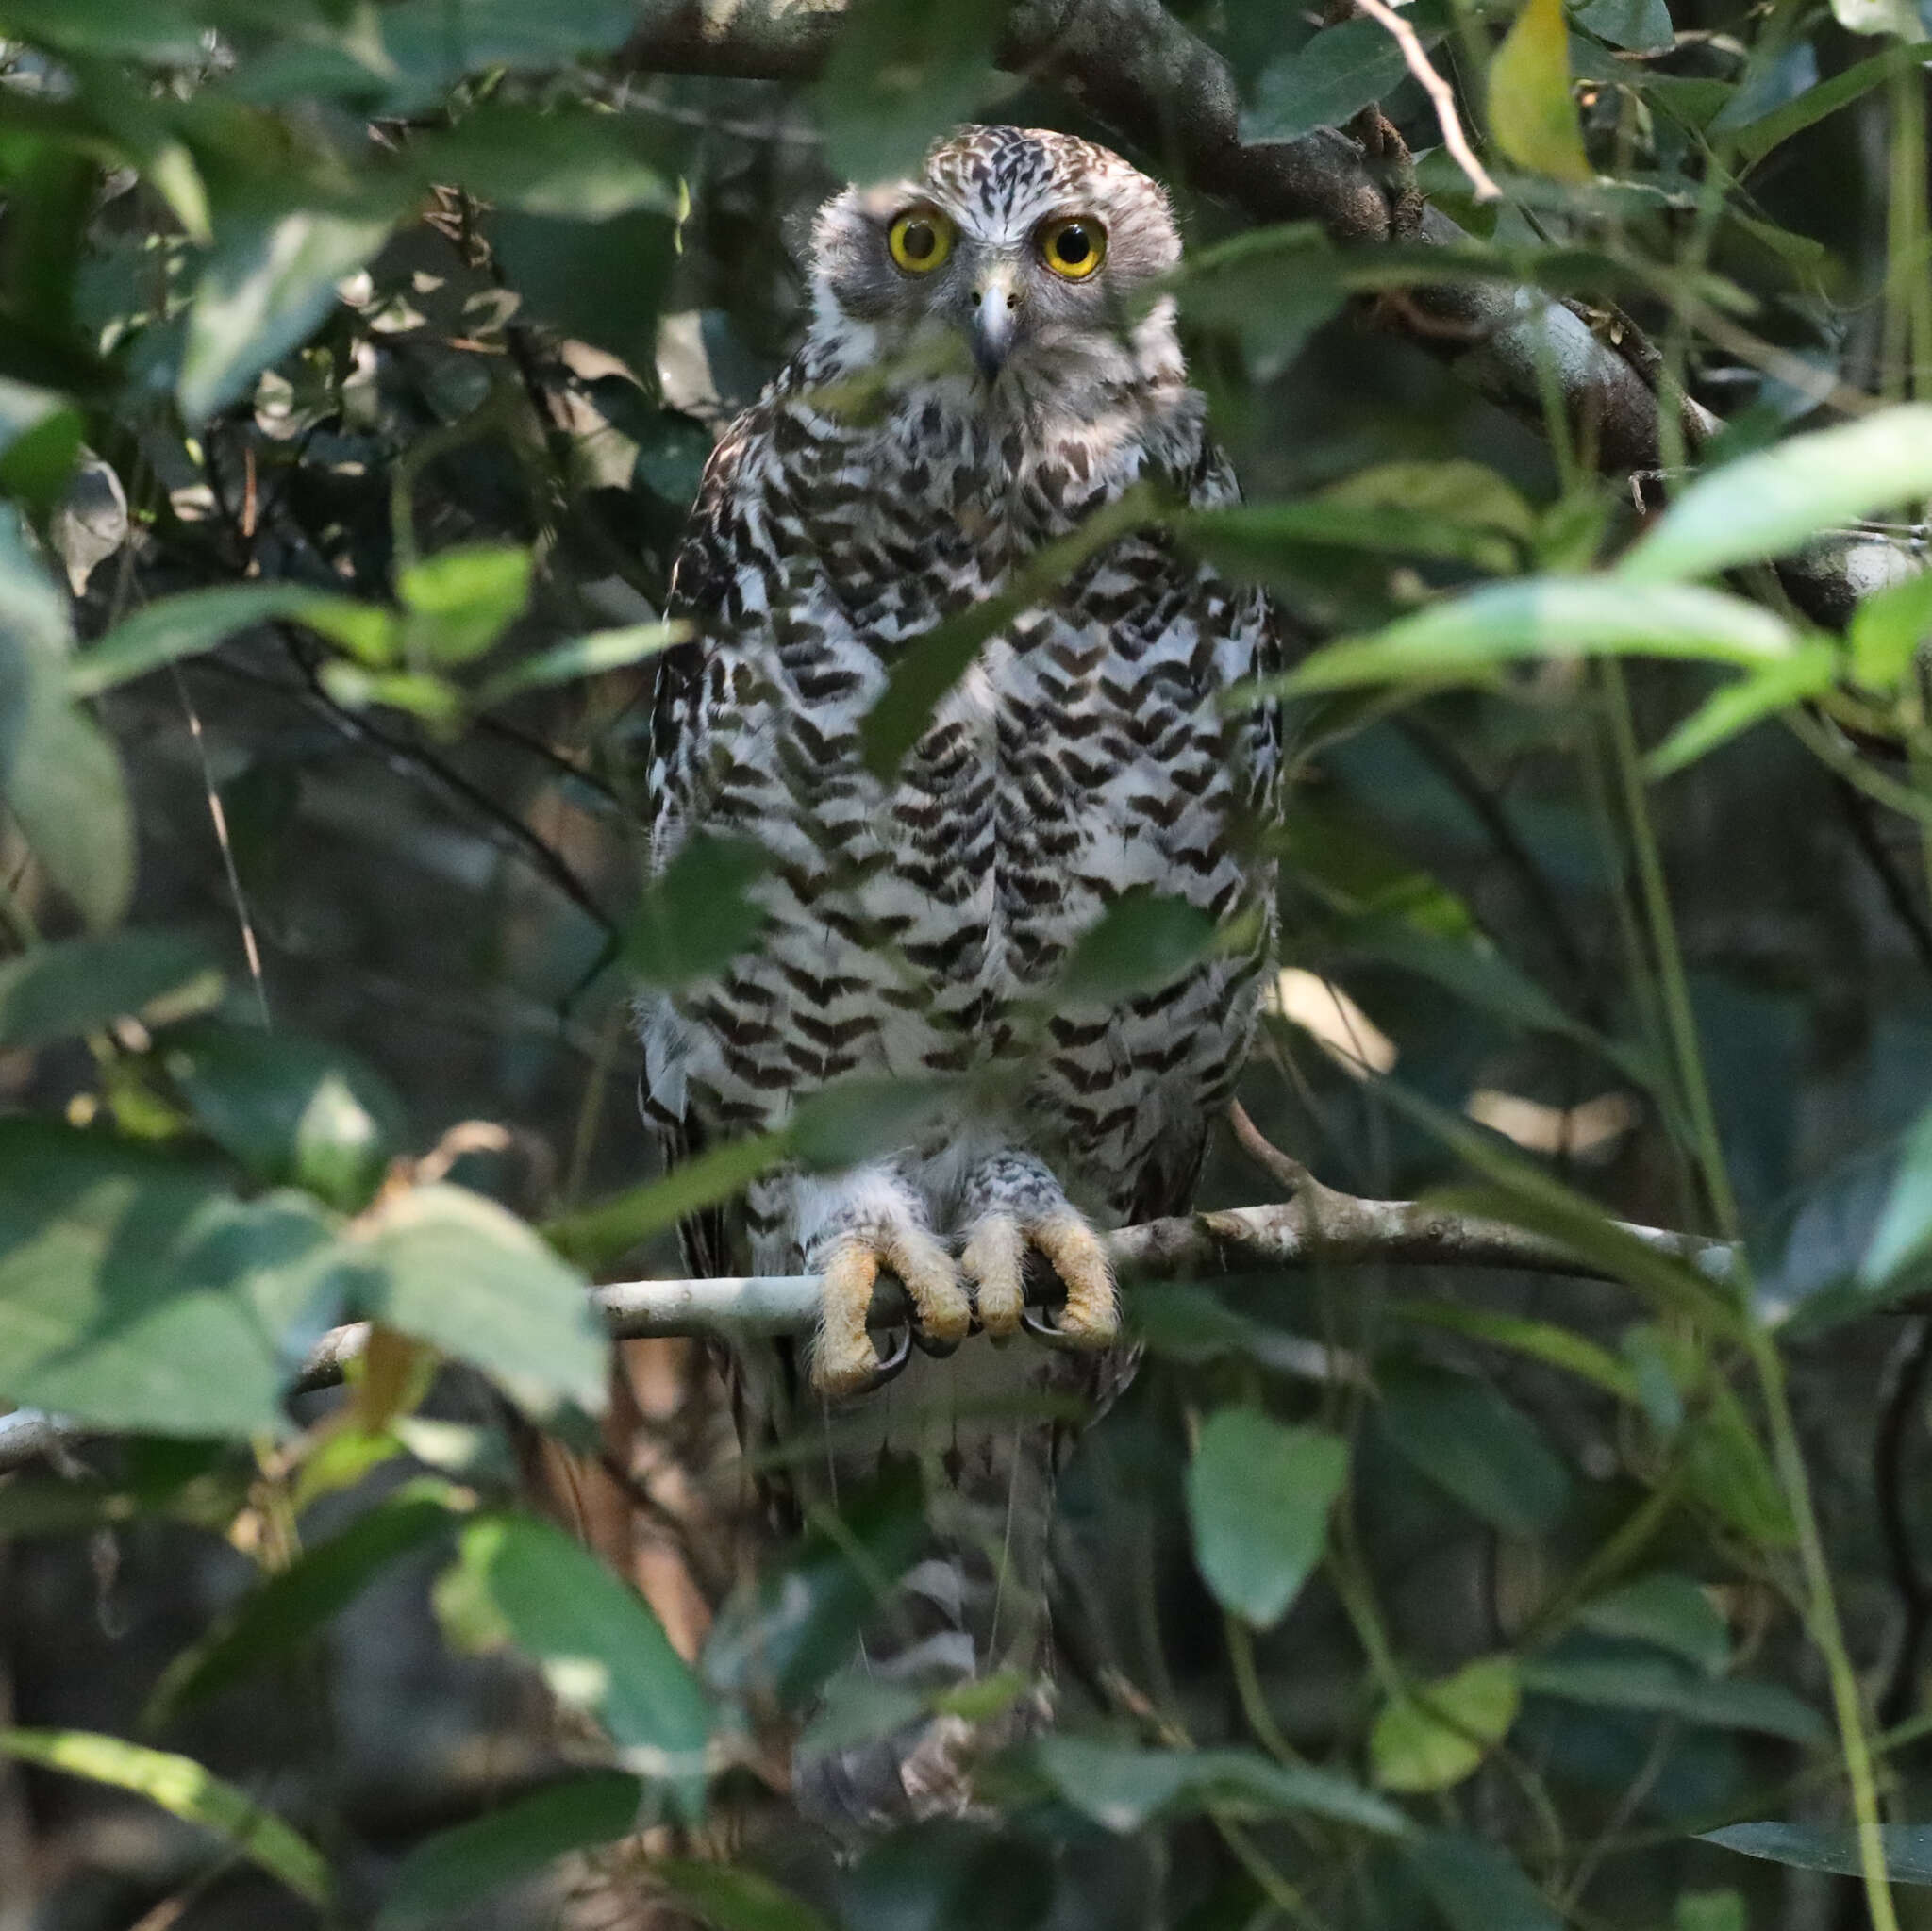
x=1027, y=245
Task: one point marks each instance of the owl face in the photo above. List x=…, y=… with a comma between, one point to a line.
x=1023, y=243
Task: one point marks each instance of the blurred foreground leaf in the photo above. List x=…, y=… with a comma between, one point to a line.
x=58, y=991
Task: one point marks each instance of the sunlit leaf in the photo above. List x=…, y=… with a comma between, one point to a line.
x=1886, y=629
x=462, y=1866
x=1768, y=503
x=1735, y=707
x=181, y=1787
x=1122, y=1788
x=1531, y=114
x=599, y=1646
x=1258, y=1496
x=460, y=601
x=55, y=991
x=1433, y=1740
x=589, y=655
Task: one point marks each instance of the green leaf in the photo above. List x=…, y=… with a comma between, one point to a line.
x=1809, y=671
x=1651, y=1683
x=159, y=33
x=861, y=1118
x=269, y=284
x=1143, y=941
x=438, y=42
x=183, y=1789
x=199, y=620
x=1903, y=1236
x=1325, y=82
x=583, y=657
x=1768, y=503
x=134, y=1295
x=1532, y=118
x=729, y=1898
x=569, y=161
x=596, y=1642
x=1667, y=1610
x=1262, y=541
x=38, y=463
x=1708, y=1910
x=698, y=914
x=1642, y=26
x=461, y=601
x=57, y=992
x=1122, y=1788
x=1259, y=1497
x=1433, y=1740
x=1731, y=1475
x=1463, y=1435
x=1477, y=1887
x=1886, y=629
x=1541, y=1341
x=295, y=1603
x=902, y=73
x=929, y=666
x=1755, y=138
x=288, y=1109
x=1831, y=1847
x=463, y=1866
x=466, y=1275
x=1467, y=639
x=68, y=796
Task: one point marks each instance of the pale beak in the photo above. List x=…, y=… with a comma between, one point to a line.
x=993, y=319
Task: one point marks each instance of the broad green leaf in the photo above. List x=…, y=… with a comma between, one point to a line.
x=1755, y=138
x=1642, y=26
x=76, y=986
x=437, y=42
x=1831, y=1847
x=1903, y=1236
x=598, y=1644
x=463, y=1866
x=1886, y=629
x=567, y=161
x=1667, y=1610
x=1651, y=1683
x=288, y=1109
x=1122, y=1788
x=858, y=1709
x=267, y=286
x=1541, y=1341
x=1809, y=671
x=69, y=800
x=1467, y=639
x=462, y=600
x=929, y=666
x=861, y=1118
x=1259, y=1497
x=1730, y=1473
x=1532, y=118
x=1324, y=83
x=728, y=1897
x=135, y=1294
x=1767, y=505
x=1143, y=941
x=38, y=463
x=698, y=914
x=182, y=1787
x=583, y=657
x=1435, y=1739
x=598, y=1236
x=466, y=1275
x=784, y=1635
x=1470, y=493
x=902, y=73
x=199, y=621
x=296, y=1602
x=1477, y=1886
x=1467, y=1440
x=159, y=33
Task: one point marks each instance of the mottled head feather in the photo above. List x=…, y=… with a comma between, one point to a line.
x=1000, y=186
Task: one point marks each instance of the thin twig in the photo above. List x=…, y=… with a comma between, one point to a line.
x=1415, y=58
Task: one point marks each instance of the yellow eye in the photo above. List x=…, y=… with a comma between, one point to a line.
x=921, y=238
x=1073, y=246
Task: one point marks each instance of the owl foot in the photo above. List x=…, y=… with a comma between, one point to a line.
x=995, y=1259
x=845, y=1361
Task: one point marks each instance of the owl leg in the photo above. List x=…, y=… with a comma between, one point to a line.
x=1015, y=1204
x=874, y=1225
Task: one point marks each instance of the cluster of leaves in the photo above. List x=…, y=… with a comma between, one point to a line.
x=327, y=371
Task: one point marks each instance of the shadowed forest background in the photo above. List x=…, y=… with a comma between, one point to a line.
x=358, y=364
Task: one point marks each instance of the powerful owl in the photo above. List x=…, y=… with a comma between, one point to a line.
x=990, y=361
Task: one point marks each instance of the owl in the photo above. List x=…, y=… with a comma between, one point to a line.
x=989, y=360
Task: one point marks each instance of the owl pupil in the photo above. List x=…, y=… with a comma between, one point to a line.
x=918, y=241
x=1074, y=246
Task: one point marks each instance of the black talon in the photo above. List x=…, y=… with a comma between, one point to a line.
x=1043, y=1328
x=926, y=1345
x=890, y=1366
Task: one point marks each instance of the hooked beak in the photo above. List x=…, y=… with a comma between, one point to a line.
x=993, y=319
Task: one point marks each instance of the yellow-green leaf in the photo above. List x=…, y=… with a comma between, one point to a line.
x=1435, y=1738
x=1531, y=114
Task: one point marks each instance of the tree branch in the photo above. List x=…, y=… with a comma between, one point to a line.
x=1317, y=1227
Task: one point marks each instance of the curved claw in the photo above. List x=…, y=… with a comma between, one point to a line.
x=890, y=1366
x=1043, y=1328
x=926, y=1344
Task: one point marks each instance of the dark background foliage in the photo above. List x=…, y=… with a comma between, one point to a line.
x=1395, y=1595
